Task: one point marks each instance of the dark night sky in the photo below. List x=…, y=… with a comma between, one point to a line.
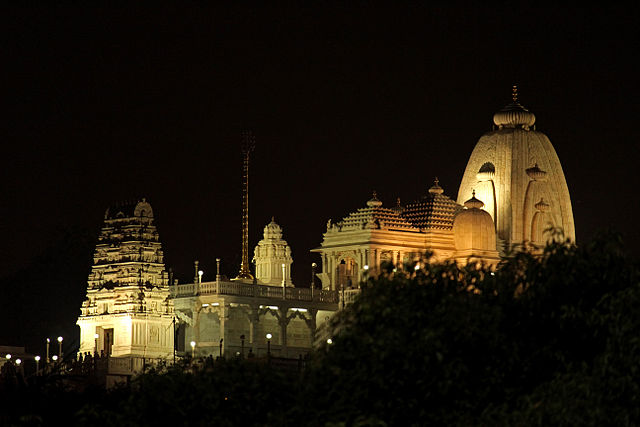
x=108, y=104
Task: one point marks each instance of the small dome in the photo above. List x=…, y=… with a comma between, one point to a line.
x=272, y=230
x=374, y=202
x=398, y=208
x=143, y=209
x=514, y=115
x=536, y=173
x=473, y=228
x=473, y=202
x=436, y=189
x=542, y=206
x=487, y=172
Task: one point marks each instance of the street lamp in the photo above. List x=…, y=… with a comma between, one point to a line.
x=8, y=356
x=60, y=347
x=313, y=277
x=269, y=336
x=329, y=341
x=18, y=362
x=48, y=341
x=54, y=357
x=200, y=273
x=37, y=364
x=221, y=339
x=193, y=349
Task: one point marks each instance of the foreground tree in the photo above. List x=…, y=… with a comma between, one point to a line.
x=550, y=339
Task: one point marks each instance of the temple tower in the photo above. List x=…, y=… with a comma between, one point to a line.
x=272, y=257
x=127, y=310
x=516, y=172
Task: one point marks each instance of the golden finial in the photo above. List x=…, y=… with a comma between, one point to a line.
x=375, y=195
x=436, y=180
x=473, y=193
x=514, y=93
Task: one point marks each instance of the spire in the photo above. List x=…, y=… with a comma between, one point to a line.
x=436, y=189
x=248, y=145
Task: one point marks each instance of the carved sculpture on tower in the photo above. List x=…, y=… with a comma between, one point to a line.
x=513, y=169
x=127, y=310
x=272, y=257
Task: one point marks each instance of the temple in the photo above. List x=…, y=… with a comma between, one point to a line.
x=516, y=172
x=513, y=193
x=127, y=311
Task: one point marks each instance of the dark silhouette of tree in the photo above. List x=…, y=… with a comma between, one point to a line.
x=547, y=339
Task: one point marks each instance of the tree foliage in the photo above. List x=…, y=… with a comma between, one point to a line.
x=547, y=339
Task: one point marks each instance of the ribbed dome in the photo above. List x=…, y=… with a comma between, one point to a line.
x=473, y=202
x=514, y=115
x=436, y=189
x=374, y=202
x=536, y=173
x=272, y=230
x=473, y=228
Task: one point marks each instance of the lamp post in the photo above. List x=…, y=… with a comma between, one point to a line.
x=269, y=336
x=54, y=357
x=60, y=347
x=313, y=278
x=48, y=342
x=37, y=365
x=329, y=341
x=242, y=345
x=221, y=339
x=193, y=349
x=284, y=282
x=8, y=356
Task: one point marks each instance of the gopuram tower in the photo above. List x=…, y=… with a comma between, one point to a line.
x=516, y=172
x=127, y=311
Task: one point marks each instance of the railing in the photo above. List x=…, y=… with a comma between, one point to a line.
x=350, y=295
x=251, y=290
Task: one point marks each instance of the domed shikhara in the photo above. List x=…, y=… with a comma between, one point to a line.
x=512, y=169
x=473, y=229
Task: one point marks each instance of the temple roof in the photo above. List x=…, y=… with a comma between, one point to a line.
x=432, y=211
x=129, y=209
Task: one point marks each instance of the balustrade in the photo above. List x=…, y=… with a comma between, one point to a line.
x=251, y=290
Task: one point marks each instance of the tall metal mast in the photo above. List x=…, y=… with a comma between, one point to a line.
x=248, y=145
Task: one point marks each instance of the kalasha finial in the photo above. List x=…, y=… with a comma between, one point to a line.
x=375, y=195
x=514, y=93
x=437, y=181
x=473, y=193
